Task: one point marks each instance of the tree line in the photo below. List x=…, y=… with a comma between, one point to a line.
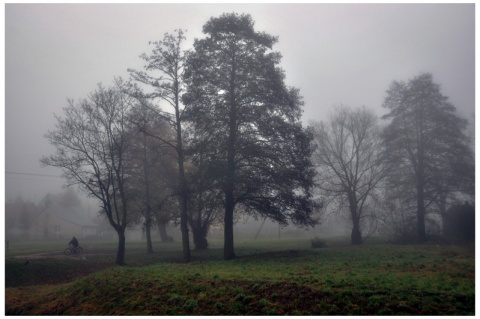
x=201, y=136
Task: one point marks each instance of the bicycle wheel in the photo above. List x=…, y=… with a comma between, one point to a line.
x=78, y=250
x=67, y=251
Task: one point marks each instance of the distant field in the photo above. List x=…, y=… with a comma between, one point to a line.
x=270, y=277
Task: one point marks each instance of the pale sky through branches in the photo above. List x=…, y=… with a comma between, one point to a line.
x=334, y=53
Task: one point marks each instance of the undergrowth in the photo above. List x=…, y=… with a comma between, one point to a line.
x=368, y=280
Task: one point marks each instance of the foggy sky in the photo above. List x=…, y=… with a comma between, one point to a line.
x=335, y=53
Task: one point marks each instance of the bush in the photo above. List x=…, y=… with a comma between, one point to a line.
x=318, y=243
x=190, y=305
x=459, y=224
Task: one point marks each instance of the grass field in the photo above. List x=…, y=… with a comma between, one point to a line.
x=276, y=277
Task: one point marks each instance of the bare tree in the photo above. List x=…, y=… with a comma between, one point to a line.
x=163, y=76
x=91, y=144
x=350, y=163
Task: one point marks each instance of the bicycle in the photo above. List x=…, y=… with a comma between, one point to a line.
x=78, y=251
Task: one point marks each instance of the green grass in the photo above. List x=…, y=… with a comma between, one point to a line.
x=267, y=278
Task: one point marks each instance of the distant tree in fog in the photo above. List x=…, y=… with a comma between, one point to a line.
x=91, y=141
x=236, y=97
x=19, y=215
x=25, y=220
x=426, y=141
x=350, y=164
x=69, y=198
x=151, y=168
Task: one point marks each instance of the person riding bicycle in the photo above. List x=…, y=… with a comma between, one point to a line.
x=73, y=242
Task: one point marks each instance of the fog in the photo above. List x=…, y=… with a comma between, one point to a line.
x=334, y=53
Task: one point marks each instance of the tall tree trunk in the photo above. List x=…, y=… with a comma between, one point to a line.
x=148, y=227
x=421, y=234
x=120, y=260
x=148, y=215
x=183, y=200
x=356, y=236
x=199, y=232
x=228, y=249
x=183, y=215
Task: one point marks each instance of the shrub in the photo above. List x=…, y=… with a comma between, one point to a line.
x=236, y=308
x=263, y=302
x=459, y=224
x=318, y=243
x=190, y=305
x=175, y=299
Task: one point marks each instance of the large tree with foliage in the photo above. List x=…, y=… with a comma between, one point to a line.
x=351, y=163
x=237, y=98
x=163, y=80
x=426, y=140
x=92, y=141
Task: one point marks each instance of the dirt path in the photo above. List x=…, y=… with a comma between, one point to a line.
x=59, y=254
x=53, y=254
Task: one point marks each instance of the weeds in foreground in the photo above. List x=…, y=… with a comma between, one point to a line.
x=369, y=280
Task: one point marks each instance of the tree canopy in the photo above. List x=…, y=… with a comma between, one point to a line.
x=425, y=138
x=212, y=133
x=236, y=96
x=92, y=142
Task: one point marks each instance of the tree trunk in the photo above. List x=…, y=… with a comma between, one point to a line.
x=184, y=229
x=421, y=234
x=356, y=237
x=148, y=227
x=121, y=248
x=183, y=185
x=162, y=231
x=199, y=238
x=148, y=215
x=198, y=230
x=228, y=249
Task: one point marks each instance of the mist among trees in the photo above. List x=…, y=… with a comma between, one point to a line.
x=204, y=135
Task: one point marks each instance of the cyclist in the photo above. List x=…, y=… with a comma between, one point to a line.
x=73, y=243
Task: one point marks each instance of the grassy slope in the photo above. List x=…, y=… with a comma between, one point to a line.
x=373, y=279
